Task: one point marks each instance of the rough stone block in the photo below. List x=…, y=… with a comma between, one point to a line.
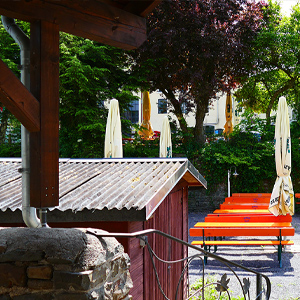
x=99, y=275
x=78, y=296
x=59, y=261
x=3, y=247
x=58, y=243
x=35, y=296
x=68, y=264
x=21, y=255
x=39, y=272
x=39, y=284
x=122, y=286
x=11, y=275
x=81, y=281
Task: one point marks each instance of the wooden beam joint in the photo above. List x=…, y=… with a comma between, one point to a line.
x=18, y=100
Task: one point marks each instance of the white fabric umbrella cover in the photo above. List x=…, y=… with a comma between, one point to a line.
x=113, y=135
x=282, y=198
x=165, y=145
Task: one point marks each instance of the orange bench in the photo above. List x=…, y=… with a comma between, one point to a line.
x=247, y=218
x=242, y=211
x=232, y=229
x=244, y=206
x=246, y=200
x=255, y=195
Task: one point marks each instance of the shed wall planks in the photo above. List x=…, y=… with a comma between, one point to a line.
x=169, y=218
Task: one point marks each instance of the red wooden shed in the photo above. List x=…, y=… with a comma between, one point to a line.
x=120, y=195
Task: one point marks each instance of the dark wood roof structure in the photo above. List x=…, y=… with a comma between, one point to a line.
x=119, y=23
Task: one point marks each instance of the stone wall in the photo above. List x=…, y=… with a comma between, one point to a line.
x=201, y=201
x=61, y=264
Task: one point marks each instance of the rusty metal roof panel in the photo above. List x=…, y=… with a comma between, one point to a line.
x=104, y=184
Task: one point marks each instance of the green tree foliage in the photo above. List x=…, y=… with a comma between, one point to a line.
x=90, y=74
x=194, y=50
x=9, y=125
x=274, y=68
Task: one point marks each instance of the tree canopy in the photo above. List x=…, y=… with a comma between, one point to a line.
x=274, y=67
x=90, y=74
x=196, y=49
x=9, y=125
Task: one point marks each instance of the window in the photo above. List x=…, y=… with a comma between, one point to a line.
x=162, y=106
x=184, y=108
x=132, y=114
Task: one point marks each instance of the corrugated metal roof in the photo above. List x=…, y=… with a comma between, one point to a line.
x=105, y=184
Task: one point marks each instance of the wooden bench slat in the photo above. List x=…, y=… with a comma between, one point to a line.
x=251, y=194
x=246, y=218
x=244, y=206
x=242, y=225
x=250, y=231
x=238, y=211
x=243, y=243
x=246, y=200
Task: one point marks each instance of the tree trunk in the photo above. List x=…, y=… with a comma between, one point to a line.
x=177, y=110
x=3, y=126
x=199, y=130
x=276, y=95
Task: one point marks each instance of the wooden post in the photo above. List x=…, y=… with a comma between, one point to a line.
x=44, y=85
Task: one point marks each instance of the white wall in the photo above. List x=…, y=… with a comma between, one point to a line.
x=215, y=116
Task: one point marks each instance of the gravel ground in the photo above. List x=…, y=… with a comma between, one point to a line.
x=285, y=281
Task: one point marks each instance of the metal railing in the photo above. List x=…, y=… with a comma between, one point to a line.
x=221, y=285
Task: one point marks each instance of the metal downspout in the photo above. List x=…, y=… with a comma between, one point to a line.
x=29, y=213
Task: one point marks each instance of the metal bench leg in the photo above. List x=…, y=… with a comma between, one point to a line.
x=204, y=246
x=215, y=247
x=205, y=256
x=280, y=250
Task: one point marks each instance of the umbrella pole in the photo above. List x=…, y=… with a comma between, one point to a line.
x=228, y=183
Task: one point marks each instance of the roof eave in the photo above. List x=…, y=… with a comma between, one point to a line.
x=185, y=168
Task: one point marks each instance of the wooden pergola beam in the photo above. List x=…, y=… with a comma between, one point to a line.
x=119, y=23
x=18, y=100
x=142, y=7
x=90, y=19
x=44, y=84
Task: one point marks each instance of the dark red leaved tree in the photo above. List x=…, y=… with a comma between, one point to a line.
x=196, y=49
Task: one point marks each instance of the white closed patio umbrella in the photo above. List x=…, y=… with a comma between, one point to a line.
x=165, y=143
x=282, y=198
x=113, y=134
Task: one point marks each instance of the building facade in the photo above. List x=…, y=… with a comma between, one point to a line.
x=215, y=118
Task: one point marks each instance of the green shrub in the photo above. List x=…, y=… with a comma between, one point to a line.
x=10, y=150
x=141, y=148
x=210, y=290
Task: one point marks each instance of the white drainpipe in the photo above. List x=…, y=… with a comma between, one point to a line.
x=29, y=213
